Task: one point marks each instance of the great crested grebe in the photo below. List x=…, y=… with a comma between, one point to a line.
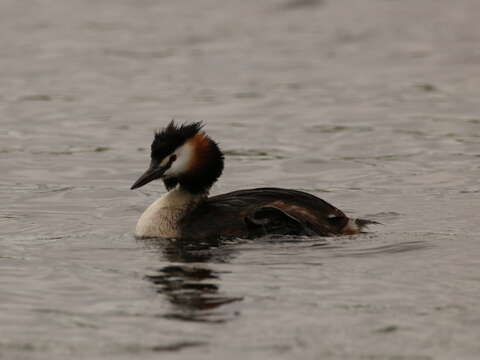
x=189, y=163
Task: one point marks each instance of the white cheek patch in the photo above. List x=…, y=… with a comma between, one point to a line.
x=165, y=161
x=182, y=164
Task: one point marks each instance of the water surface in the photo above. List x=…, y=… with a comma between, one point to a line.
x=372, y=106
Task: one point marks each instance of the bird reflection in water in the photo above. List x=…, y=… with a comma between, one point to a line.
x=193, y=288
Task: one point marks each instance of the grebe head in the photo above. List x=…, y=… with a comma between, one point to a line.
x=183, y=154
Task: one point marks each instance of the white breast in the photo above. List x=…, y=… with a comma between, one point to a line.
x=162, y=217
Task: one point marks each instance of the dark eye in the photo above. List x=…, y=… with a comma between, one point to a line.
x=173, y=158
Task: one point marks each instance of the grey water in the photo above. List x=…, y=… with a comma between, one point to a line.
x=371, y=105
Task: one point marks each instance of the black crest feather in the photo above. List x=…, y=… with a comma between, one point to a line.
x=173, y=136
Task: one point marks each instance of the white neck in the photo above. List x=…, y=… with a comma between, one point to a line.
x=163, y=216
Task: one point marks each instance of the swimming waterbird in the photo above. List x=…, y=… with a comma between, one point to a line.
x=189, y=162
